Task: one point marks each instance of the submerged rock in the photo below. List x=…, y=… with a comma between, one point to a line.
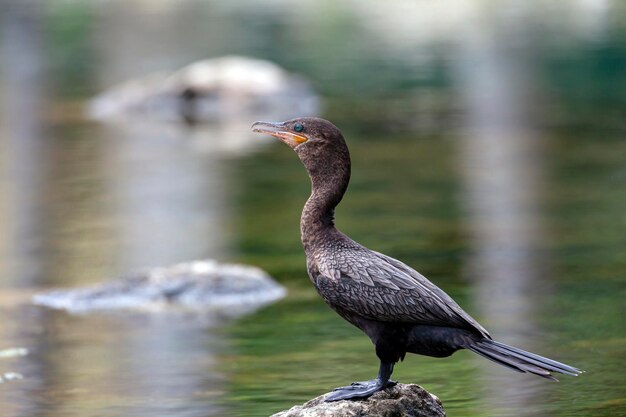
x=13, y=352
x=402, y=400
x=10, y=376
x=203, y=286
x=218, y=89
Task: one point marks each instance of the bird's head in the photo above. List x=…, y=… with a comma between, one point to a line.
x=321, y=148
x=319, y=145
x=309, y=131
x=317, y=142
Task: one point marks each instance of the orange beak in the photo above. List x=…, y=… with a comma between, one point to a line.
x=280, y=131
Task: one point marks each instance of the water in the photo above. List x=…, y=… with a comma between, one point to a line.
x=491, y=160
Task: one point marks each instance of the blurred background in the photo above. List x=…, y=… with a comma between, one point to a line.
x=488, y=150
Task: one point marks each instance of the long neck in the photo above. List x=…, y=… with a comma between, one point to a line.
x=328, y=185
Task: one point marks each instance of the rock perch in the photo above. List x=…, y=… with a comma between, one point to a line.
x=402, y=400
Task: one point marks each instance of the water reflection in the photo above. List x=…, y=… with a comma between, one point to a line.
x=25, y=157
x=502, y=170
x=171, y=203
x=131, y=366
x=25, y=150
x=168, y=204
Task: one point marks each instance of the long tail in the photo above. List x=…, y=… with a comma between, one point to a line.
x=520, y=360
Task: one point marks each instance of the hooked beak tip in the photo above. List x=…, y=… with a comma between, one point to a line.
x=264, y=127
x=254, y=126
x=279, y=131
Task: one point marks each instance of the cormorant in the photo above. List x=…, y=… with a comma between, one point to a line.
x=397, y=307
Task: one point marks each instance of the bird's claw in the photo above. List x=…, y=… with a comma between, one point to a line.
x=356, y=390
x=389, y=384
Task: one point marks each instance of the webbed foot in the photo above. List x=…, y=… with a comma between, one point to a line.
x=361, y=389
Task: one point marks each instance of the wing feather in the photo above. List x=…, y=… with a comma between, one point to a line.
x=381, y=288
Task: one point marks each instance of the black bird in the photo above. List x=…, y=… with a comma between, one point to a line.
x=397, y=307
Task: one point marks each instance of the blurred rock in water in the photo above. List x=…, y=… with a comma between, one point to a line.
x=10, y=376
x=13, y=352
x=226, y=290
x=212, y=90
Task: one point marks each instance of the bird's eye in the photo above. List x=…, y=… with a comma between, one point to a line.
x=298, y=127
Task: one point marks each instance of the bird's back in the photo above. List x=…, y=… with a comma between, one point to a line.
x=377, y=287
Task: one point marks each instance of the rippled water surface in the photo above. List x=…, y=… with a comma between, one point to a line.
x=488, y=155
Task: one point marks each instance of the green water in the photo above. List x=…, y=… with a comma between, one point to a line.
x=493, y=162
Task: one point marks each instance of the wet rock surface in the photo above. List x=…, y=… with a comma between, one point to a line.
x=202, y=286
x=402, y=400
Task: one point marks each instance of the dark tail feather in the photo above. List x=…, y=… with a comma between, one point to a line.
x=520, y=360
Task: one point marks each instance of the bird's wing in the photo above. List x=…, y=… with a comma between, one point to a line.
x=381, y=288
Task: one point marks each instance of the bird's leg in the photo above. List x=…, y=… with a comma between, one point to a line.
x=365, y=388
